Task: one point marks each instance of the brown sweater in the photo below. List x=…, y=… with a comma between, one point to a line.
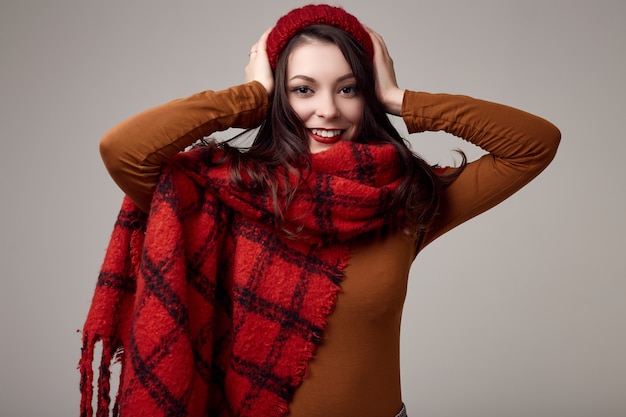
x=356, y=369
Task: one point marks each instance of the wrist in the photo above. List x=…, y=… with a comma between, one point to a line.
x=393, y=101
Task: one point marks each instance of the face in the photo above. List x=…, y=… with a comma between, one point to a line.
x=322, y=91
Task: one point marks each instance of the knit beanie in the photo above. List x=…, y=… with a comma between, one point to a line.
x=321, y=14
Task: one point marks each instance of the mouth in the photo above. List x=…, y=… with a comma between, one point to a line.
x=326, y=136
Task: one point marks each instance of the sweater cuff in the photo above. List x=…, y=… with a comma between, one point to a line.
x=413, y=108
x=254, y=101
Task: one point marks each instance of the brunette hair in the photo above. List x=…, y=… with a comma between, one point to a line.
x=282, y=140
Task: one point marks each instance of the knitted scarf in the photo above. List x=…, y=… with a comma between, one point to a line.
x=210, y=309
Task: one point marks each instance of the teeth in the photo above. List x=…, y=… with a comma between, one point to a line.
x=326, y=133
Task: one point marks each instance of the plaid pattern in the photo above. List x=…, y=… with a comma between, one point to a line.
x=211, y=311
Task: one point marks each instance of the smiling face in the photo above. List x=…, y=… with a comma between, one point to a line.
x=322, y=91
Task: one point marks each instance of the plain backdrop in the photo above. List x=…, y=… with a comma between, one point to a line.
x=519, y=312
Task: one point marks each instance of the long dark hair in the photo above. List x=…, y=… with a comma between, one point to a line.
x=282, y=140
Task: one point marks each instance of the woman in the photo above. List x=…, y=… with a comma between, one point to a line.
x=271, y=280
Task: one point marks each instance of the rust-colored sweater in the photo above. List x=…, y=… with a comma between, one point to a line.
x=356, y=369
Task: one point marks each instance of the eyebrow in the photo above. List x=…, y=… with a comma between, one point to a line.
x=312, y=80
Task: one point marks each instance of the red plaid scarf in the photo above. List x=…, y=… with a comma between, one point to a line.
x=210, y=310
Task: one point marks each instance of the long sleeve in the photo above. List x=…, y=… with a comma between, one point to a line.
x=519, y=146
x=134, y=150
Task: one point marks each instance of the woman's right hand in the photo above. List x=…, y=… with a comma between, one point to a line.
x=258, y=68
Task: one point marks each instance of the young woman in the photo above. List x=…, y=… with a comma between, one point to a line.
x=270, y=280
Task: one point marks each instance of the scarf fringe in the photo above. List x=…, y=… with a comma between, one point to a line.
x=107, y=358
x=86, y=377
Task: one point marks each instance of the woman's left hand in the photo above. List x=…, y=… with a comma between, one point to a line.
x=387, y=88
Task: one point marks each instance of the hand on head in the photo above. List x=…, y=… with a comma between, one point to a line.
x=258, y=68
x=387, y=88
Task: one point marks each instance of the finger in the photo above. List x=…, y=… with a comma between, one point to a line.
x=378, y=42
x=261, y=44
x=258, y=68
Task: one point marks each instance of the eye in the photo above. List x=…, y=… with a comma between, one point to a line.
x=301, y=90
x=349, y=90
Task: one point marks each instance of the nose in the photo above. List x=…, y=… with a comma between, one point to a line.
x=327, y=106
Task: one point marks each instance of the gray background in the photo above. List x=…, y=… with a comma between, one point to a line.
x=519, y=312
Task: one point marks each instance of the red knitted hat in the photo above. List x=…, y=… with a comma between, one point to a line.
x=322, y=14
